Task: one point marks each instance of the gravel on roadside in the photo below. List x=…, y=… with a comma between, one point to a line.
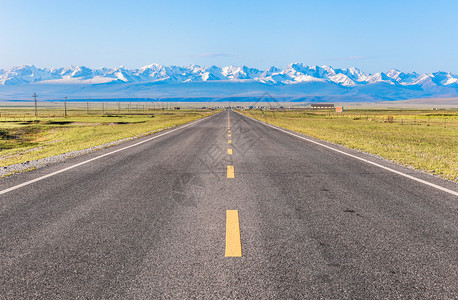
x=43, y=162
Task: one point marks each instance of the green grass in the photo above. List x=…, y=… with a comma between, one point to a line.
x=424, y=140
x=24, y=138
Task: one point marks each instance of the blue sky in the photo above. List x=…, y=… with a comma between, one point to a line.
x=374, y=36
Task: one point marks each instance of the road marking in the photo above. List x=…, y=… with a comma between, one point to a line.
x=361, y=159
x=95, y=158
x=233, y=243
x=229, y=141
x=229, y=131
x=228, y=120
x=229, y=135
x=229, y=151
x=230, y=172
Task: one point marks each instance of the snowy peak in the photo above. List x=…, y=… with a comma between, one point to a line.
x=24, y=74
x=401, y=77
x=443, y=78
x=238, y=73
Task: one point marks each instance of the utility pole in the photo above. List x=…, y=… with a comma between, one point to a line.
x=35, y=100
x=65, y=105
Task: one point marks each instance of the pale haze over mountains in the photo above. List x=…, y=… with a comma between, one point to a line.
x=296, y=82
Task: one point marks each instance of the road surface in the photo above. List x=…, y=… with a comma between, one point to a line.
x=227, y=208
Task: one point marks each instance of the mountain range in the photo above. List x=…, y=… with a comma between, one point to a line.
x=296, y=82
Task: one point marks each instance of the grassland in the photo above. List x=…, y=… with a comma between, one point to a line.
x=24, y=137
x=425, y=140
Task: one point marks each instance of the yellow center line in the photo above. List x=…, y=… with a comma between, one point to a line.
x=229, y=151
x=228, y=120
x=229, y=135
x=230, y=172
x=233, y=243
x=229, y=141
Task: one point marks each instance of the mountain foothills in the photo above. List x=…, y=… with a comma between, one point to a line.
x=296, y=82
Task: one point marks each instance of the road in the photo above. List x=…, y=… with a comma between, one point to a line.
x=227, y=208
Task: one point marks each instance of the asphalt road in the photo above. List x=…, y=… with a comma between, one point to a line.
x=149, y=222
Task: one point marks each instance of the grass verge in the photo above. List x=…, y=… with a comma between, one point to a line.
x=26, y=139
x=420, y=139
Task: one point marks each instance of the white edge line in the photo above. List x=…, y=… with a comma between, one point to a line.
x=95, y=158
x=359, y=158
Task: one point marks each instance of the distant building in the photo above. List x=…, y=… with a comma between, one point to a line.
x=323, y=106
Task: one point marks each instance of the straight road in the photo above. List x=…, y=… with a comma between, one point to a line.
x=227, y=208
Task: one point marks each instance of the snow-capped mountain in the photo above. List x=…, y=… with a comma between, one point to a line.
x=296, y=78
x=293, y=73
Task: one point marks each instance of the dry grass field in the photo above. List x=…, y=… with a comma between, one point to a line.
x=424, y=139
x=24, y=137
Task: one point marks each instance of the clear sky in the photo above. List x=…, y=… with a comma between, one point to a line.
x=374, y=35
